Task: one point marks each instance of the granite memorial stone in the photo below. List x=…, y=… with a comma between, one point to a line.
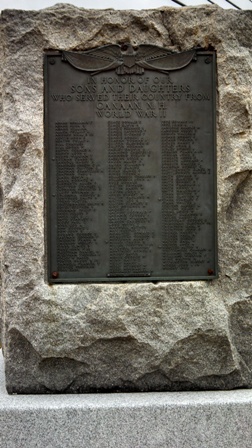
x=61, y=333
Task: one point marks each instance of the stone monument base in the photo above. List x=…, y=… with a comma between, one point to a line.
x=170, y=419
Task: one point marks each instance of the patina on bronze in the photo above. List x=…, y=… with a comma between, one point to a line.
x=131, y=170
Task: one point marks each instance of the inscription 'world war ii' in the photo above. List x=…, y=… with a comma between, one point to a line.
x=130, y=138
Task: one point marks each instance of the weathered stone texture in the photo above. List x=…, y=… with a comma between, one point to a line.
x=1, y=193
x=164, y=336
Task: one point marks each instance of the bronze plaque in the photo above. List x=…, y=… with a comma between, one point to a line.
x=131, y=169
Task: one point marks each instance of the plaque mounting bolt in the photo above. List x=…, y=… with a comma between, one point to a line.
x=52, y=61
x=207, y=60
x=210, y=272
x=55, y=274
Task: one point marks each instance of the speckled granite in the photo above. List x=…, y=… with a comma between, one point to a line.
x=220, y=419
x=124, y=337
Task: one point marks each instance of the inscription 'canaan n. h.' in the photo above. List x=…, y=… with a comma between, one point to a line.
x=130, y=136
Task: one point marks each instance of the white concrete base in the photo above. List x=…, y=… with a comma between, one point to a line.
x=161, y=420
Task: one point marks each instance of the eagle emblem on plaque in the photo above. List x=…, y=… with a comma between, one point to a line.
x=128, y=60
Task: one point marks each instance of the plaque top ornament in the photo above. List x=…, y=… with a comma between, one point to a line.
x=126, y=59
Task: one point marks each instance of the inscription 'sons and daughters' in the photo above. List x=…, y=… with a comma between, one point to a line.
x=132, y=173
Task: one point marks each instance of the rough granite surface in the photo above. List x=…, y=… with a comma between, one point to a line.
x=206, y=419
x=124, y=337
